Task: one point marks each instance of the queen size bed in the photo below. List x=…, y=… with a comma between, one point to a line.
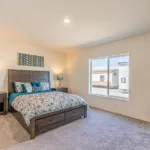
x=41, y=111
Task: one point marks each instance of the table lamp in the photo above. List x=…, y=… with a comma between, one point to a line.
x=60, y=78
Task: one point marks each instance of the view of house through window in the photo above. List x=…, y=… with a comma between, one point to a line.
x=110, y=76
x=102, y=78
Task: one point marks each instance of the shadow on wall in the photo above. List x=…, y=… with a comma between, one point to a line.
x=3, y=78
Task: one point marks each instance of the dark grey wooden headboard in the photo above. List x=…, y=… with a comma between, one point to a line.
x=26, y=76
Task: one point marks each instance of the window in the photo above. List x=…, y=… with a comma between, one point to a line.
x=102, y=78
x=123, y=80
x=110, y=76
x=115, y=73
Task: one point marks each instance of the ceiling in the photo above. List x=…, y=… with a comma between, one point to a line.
x=92, y=21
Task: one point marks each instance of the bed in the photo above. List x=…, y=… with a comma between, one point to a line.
x=43, y=122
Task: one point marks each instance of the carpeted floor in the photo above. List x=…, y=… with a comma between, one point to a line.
x=100, y=131
x=11, y=132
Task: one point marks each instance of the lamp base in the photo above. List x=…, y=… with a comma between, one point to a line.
x=60, y=84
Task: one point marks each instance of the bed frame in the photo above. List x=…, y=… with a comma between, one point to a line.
x=44, y=122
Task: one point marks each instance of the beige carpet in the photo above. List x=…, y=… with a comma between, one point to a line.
x=11, y=132
x=100, y=131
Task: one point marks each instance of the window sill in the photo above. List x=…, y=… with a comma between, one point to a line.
x=111, y=97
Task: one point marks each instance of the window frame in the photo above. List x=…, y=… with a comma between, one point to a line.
x=108, y=71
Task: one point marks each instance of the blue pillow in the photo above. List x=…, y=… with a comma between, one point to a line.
x=23, y=88
x=36, y=84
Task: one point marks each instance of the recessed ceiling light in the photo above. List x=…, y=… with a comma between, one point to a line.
x=67, y=21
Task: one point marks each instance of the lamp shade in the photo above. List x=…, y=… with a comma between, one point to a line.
x=60, y=77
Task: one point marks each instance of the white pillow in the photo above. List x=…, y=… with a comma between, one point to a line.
x=45, y=86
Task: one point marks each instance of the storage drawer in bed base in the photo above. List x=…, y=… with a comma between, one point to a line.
x=50, y=122
x=74, y=114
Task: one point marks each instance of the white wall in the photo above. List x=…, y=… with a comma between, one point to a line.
x=12, y=42
x=139, y=104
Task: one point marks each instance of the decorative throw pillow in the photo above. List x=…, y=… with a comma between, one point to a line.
x=37, y=89
x=45, y=86
x=35, y=84
x=18, y=87
x=22, y=87
x=27, y=87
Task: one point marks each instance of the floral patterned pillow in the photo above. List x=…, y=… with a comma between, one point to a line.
x=21, y=87
x=18, y=87
x=45, y=86
x=27, y=87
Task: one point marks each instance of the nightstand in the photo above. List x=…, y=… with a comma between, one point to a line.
x=65, y=90
x=3, y=103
